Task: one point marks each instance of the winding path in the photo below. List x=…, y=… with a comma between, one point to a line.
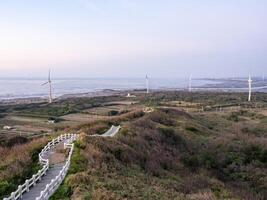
x=57, y=161
x=55, y=166
x=110, y=133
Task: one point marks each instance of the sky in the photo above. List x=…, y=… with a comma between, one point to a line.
x=131, y=38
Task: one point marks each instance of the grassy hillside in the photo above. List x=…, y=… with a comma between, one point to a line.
x=170, y=154
x=200, y=145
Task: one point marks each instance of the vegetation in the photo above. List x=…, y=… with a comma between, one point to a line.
x=170, y=154
x=191, y=146
x=20, y=162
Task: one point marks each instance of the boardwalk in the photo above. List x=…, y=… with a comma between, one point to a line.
x=40, y=186
x=57, y=161
x=110, y=133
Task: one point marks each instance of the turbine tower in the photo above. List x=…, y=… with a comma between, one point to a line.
x=50, y=86
x=190, y=83
x=249, y=88
x=147, y=85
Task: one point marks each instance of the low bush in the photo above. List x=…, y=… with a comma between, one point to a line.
x=113, y=113
x=16, y=140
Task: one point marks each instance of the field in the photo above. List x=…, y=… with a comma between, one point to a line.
x=199, y=145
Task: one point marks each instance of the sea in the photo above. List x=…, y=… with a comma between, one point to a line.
x=12, y=88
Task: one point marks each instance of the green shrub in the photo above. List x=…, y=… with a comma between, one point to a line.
x=78, y=162
x=16, y=140
x=62, y=193
x=168, y=136
x=191, y=161
x=6, y=187
x=255, y=153
x=233, y=117
x=113, y=112
x=192, y=129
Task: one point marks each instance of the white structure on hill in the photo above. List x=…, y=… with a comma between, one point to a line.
x=130, y=95
x=249, y=88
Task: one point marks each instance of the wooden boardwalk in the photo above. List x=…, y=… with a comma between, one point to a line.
x=57, y=161
x=110, y=133
x=40, y=186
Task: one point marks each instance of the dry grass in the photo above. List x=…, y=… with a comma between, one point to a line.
x=17, y=158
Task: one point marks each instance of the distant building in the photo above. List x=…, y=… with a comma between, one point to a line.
x=7, y=127
x=51, y=121
x=130, y=96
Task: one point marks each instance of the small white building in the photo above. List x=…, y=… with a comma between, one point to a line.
x=7, y=127
x=130, y=96
x=51, y=121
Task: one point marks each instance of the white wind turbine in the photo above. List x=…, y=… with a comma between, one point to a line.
x=190, y=83
x=49, y=82
x=147, y=84
x=249, y=88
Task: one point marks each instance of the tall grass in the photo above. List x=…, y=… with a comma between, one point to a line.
x=18, y=163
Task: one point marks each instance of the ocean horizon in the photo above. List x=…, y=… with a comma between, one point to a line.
x=12, y=88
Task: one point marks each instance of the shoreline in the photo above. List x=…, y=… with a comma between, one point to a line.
x=111, y=92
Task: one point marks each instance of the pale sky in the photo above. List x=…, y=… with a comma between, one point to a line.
x=131, y=38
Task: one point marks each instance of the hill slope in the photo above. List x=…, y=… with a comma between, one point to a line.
x=169, y=154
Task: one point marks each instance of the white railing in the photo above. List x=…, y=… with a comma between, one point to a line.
x=54, y=184
x=45, y=165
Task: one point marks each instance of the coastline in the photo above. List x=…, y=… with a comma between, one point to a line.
x=221, y=87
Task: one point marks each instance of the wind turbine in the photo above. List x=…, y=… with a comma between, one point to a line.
x=50, y=86
x=147, y=85
x=190, y=83
x=249, y=88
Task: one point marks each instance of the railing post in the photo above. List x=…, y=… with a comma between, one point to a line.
x=34, y=179
x=20, y=191
x=47, y=187
x=41, y=195
x=13, y=195
x=39, y=172
x=27, y=186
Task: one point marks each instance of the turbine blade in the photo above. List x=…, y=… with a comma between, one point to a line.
x=45, y=83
